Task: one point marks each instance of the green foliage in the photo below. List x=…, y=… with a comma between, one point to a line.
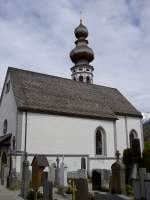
x=146, y=158
x=30, y=195
x=147, y=145
x=129, y=190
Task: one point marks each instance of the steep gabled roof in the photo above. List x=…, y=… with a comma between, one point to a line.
x=54, y=95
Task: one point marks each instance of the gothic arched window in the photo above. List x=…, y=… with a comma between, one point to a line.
x=100, y=141
x=132, y=136
x=5, y=125
x=81, y=78
x=87, y=79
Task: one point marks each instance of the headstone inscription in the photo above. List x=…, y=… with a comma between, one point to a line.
x=118, y=176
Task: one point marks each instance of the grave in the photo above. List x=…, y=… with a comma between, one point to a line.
x=51, y=174
x=47, y=187
x=81, y=191
x=118, y=176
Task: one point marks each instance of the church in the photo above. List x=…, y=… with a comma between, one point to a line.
x=73, y=118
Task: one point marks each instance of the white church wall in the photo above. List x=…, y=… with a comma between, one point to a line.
x=121, y=134
x=8, y=110
x=50, y=134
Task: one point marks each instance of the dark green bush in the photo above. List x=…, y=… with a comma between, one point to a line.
x=30, y=195
x=127, y=160
x=146, y=159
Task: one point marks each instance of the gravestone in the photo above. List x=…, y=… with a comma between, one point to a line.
x=96, y=179
x=47, y=187
x=62, y=178
x=57, y=172
x=51, y=175
x=81, y=192
x=118, y=176
x=77, y=174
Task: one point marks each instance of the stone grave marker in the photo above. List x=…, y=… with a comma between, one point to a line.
x=51, y=175
x=81, y=189
x=57, y=172
x=118, y=176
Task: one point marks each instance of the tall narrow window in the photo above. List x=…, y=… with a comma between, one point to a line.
x=87, y=79
x=5, y=126
x=81, y=78
x=7, y=86
x=100, y=142
x=132, y=136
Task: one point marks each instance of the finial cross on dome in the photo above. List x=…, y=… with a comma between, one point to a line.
x=80, y=17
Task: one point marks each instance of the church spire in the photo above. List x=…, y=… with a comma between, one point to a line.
x=81, y=56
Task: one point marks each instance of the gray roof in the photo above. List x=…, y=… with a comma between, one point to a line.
x=43, y=93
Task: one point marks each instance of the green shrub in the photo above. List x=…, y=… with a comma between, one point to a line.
x=146, y=159
x=30, y=195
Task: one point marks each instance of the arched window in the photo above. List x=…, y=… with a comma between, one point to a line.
x=87, y=79
x=81, y=78
x=100, y=141
x=132, y=136
x=5, y=125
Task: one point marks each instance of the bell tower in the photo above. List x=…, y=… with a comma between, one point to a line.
x=81, y=56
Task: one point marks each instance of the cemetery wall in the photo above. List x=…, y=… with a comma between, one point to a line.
x=8, y=110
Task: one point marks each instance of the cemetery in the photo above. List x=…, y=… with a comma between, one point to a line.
x=45, y=179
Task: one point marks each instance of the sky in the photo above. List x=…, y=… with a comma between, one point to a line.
x=39, y=35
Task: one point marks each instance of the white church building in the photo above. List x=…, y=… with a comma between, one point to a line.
x=49, y=115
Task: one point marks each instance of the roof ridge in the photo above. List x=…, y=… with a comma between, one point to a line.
x=53, y=76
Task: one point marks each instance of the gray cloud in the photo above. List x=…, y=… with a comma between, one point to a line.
x=38, y=35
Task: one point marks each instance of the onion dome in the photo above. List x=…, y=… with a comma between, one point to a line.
x=81, y=51
x=81, y=31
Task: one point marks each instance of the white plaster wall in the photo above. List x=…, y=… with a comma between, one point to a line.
x=50, y=134
x=59, y=134
x=121, y=134
x=8, y=110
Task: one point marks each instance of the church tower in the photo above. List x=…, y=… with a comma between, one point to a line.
x=81, y=56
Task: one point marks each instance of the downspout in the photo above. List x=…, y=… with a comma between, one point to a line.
x=25, y=141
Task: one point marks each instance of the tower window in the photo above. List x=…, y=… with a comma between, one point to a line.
x=81, y=78
x=5, y=125
x=88, y=79
x=7, y=86
x=74, y=79
x=87, y=70
x=80, y=69
x=100, y=142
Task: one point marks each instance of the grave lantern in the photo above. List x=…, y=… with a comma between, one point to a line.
x=38, y=164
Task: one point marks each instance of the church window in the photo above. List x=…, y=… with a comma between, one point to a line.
x=7, y=86
x=100, y=141
x=5, y=125
x=80, y=69
x=132, y=136
x=81, y=78
x=87, y=70
x=74, y=79
x=88, y=79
